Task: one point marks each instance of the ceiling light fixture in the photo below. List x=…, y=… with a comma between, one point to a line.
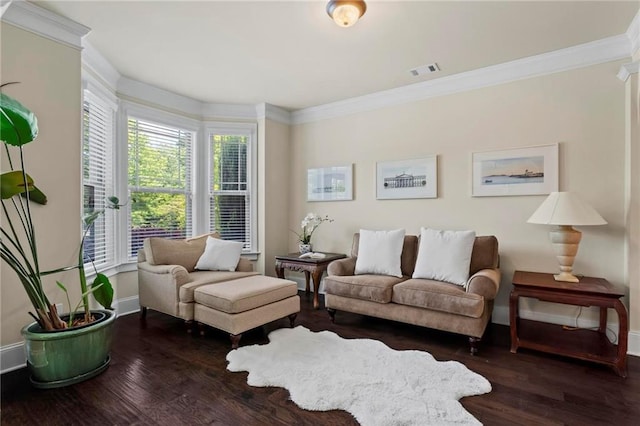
x=346, y=12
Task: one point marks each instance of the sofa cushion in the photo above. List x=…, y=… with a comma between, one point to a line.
x=200, y=278
x=438, y=296
x=183, y=252
x=407, y=258
x=379, y=252
x=444, y=255
x=485, y=254
x=220, y=255
x=376, y=288
x=245, y=294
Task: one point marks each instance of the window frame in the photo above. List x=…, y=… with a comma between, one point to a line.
x=93, y=94
x=249, y=130
x=152, y=115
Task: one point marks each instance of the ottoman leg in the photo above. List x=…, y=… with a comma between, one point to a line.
x=332, y=314
x=235, y=340
x=292, y=319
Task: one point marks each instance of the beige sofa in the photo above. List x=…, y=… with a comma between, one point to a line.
x=167, y=278
x=440, y=305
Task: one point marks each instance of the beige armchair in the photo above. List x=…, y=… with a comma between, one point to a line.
x=167, y=277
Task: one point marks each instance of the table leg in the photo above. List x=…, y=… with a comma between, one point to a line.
x=279, y=271
x=623, y=334
x=603, y=320
x=513, y=320
x=306, y=281
x=317, y=275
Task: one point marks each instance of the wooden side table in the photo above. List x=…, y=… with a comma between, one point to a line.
x=311, y=267
x=584, y=344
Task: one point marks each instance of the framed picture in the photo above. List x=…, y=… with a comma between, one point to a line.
x=518, y=171
x=330, y=183
x=407, y=179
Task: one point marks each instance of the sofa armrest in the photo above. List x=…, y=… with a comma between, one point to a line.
x=176, y=273
x=342, y=267
x=244, y=265
x=485, y=282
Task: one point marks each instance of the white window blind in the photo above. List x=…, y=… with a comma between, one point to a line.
x=97, y=179
x=229, y=187
x=159, y=171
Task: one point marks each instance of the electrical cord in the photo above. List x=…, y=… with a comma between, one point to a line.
x=577, y=327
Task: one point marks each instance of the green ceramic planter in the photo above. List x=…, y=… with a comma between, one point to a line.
x=62, y=358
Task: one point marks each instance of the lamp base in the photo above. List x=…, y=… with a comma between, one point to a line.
x=566, y=277
x=565, y=241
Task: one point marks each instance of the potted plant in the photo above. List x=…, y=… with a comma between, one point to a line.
x=61, y=350
x=309, y=225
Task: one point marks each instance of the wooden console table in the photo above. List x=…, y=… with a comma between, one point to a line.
x=585, y=344
x=311, y=267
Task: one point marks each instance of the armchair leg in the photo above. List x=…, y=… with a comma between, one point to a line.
x=235, y=340
x=332, y=314
x=143, y=312
x=473, y=343
x=292, y=319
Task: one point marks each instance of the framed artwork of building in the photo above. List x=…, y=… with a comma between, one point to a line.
x=330, y=183
x=417, y=178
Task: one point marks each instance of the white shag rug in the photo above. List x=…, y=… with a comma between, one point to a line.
x=376, y=384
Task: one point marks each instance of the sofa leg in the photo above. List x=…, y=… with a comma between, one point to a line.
x=188, y=325
x=473, y=343
x=143, y=312
x=235, y=340
x=202, y=328
x=332, y=314
x=292, y=319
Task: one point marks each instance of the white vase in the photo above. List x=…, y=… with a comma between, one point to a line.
x=304, y=248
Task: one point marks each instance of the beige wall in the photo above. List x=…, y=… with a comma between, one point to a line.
x=50, y=86
x=583, y=110
x=273, y=196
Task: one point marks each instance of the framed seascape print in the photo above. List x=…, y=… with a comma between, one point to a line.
x=330, y=183
x=518, y=171
x=407, y=179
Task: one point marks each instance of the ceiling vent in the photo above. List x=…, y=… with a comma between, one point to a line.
x=425, y=69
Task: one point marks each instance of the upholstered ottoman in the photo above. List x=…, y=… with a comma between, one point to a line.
x=245, y=303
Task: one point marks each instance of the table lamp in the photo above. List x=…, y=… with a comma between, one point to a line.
x=563, y=210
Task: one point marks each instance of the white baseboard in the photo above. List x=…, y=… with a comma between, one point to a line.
x=12, y=357
x=634, y=343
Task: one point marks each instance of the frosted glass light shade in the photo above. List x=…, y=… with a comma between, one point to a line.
x=345, y=13
x=566, y=208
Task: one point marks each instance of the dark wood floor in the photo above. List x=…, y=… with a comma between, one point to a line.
x=160, y=375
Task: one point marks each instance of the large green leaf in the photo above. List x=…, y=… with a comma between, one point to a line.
x=18, y=125
x=36, y=196
x=12, y=183
x=103, y=290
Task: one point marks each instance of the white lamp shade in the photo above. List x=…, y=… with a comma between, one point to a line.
x=566, y=208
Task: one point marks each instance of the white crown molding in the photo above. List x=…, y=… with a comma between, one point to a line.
x=633, y=33
x=212, y=112
x=93, y=61
x=272, y=112
x=597, y=52
x=154, y=95
x=627, y=69
x=47, y=24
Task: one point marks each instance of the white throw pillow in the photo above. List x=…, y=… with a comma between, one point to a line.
x=220, y=255
x=444, y=255
x=379, y=252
